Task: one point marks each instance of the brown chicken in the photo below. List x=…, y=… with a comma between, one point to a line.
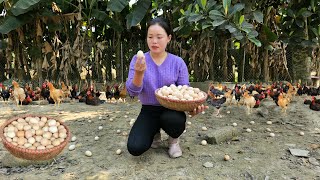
x=65, y=89
x=229, y=97
x=18, y=93
x=123, y=93
x=248, y=101
x=55, y=94
x=283, y=103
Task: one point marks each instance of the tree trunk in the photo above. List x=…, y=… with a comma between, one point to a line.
x=301, y=65
x=265, y=56
x=118, y=57
x=225, y=59
x=2, y=66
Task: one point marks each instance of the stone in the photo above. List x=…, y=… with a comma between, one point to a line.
x=313, y=161
x=208, y=165
x=221, y=135
x=299, y=152
x=9, y=160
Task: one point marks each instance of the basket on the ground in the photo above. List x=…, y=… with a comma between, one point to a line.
x=180, y=105
x=33, y=154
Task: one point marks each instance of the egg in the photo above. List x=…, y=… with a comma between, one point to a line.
x=96, y=138
x=204, y=128
x=234, y=124
x=88, y=153
x=53, y=129
x=204, y=142
x=118, y=151
x=140, y=54
x=52, y=122
x=226, y=157
x=248, y=130
x=269, y=122
x=271, y=134
x=73, y=139
x=301, y=133
x=72, y=147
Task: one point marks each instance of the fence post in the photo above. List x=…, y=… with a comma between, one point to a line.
x=243, y=64
x=121, y=57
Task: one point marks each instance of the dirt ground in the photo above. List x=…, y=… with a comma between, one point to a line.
x=254, y=155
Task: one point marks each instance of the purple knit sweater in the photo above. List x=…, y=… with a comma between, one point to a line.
x=172, y=71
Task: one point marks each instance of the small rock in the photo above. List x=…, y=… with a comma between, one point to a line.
x=226, y=157
x=269, y=122
x=189, y=123
x=96, y=138
x=268, y=129
x=234, y=124
x=208, y=165
x=299, y=152
x=204, y=142
x=118, y=152
x=248, y=130
x=204, y=128
x=313, y=161
x=272, y=135
x=251, y=122
x=100, y=127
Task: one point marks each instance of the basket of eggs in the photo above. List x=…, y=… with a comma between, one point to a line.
x=34, y=137
x=180, y=98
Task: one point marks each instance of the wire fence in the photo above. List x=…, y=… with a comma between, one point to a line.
x=242, y=66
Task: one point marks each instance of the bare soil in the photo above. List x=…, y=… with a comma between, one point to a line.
x=254, y=155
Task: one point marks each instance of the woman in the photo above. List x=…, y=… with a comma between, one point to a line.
x=147, y=73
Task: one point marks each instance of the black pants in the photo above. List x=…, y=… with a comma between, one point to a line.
x=149, y=122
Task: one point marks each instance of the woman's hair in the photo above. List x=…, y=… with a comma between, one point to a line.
x=161, y=22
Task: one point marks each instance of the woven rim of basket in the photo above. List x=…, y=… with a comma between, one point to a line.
x=182, y=101
x=33, y=151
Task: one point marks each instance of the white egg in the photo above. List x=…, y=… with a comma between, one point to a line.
x=248, y=130
x=251, y=122
x=72, y=147
x=301, y=133
x=140, y=54
x=88, y=153
x=118, y=151
x=73, y=139
x=234, y=124
x=204, y=142
x=96, y=138
x=204, y=128
x=100, y=127
x=269, y=122
x=271, y=134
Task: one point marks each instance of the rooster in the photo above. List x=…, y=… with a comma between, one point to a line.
x=314, y=105
x=5, y=93
x=18, y=93
x=55, y=94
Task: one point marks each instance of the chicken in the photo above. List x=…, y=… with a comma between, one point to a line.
x=18, y=93
x=217, y=103
x=123, y=93
x=5, y=93
x=65, y=89
x=237, y=94
x=248, y=101
x=109, y=93
x=314, y=106
x=37, y=94
x=26, y=101
x=45, y=93
x=55, y=94
x=74, y=92
x=283, y=103
x=228, y=96
x=91, y=99
x=116, y=93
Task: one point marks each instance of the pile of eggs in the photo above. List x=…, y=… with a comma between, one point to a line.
x=35, y=133
x=181, y=92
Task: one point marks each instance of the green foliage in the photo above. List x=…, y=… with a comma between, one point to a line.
x=117, y=5
x=138, y=13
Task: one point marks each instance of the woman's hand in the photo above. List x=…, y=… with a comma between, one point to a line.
x=140, y=65
x=198, y=110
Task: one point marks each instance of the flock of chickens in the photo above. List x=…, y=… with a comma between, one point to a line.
x=25, y=95
x=281, y=93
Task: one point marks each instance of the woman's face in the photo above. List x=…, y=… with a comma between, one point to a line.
x=157, y=39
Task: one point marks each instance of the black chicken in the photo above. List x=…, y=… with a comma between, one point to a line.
x=217, y=103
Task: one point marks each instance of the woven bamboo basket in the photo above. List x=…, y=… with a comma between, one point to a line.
x=180, y=105
x=31, y=154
